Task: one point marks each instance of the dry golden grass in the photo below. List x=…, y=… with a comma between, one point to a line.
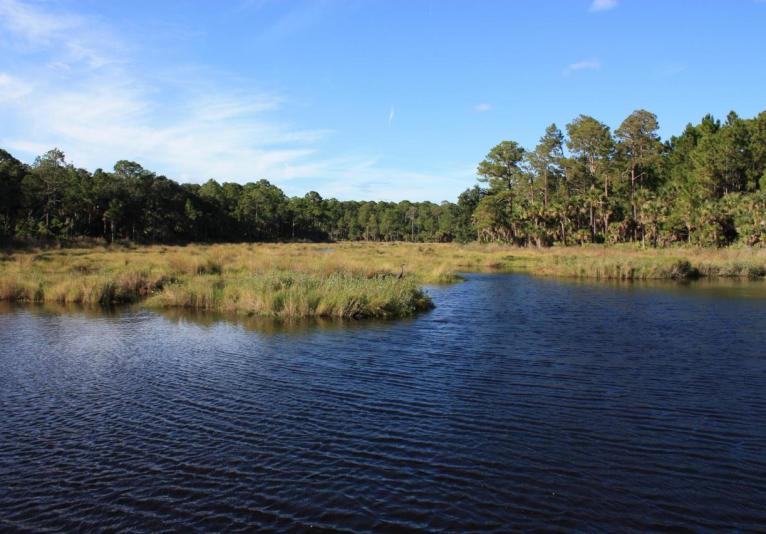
x=326, y=280
x=632, y=263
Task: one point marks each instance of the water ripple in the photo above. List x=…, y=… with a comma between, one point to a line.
x=516, y=404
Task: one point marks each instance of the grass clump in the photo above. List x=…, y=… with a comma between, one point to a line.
x=284, y=294
x=283, y=281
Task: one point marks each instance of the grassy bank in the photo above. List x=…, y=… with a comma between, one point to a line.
x=326, y=280
x=277, y=281
x=631, y=263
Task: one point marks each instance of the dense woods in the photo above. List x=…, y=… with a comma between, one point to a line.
x=586, y=184
x=52, y=199
x=705, y=187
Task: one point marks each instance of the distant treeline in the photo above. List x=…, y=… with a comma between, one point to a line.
x=51, y=200
x=705, y=187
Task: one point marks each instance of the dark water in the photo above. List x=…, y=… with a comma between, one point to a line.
x=517, y=403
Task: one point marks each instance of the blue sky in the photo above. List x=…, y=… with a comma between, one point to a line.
x=358, y=99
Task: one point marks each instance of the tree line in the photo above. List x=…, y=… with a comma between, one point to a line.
x=706, y=187
x=52, y=200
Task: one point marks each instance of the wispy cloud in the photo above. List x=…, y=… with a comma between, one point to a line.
x=72, y=38
x=293, y=17
x=588, y=64
x=371, y=178
x=63, y=87
x=33, y=24
x=12, y=88
x=603, y=5
x=96, y=105
x=483, y=107
x=669, y=69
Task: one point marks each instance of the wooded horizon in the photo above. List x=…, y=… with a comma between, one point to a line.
x=586, y=184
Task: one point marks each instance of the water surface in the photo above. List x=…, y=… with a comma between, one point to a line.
x=517, y=403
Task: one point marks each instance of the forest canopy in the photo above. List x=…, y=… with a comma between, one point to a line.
x=585, y=184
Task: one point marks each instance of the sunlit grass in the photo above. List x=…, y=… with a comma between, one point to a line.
x=632, y=263
x=339, y=280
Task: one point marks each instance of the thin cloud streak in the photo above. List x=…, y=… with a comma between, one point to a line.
x=602, y=5
x=588, y=64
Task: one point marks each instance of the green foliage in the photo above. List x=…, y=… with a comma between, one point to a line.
x=705, y=187
x=53, y=201
x=502, y=166
x=12, y=172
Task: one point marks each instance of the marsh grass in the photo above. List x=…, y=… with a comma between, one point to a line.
x=630, y=263
x=283, y=281
x=344, y=280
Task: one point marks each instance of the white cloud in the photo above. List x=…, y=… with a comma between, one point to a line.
x=371, y=179
x=603, y=5
x=65, y=88
x=12, y=88
x=588, y=64
x=483, y=107
x=32, y=24
x=72, y=38
x=91, y=101
x=222, y=136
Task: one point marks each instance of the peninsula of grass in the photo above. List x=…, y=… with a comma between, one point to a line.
x=343, y=280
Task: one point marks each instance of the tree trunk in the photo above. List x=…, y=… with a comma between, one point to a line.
x=632, y=196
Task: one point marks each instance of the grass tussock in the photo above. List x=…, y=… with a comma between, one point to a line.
x=340, y=280
x=284, y=281
x=288, y=294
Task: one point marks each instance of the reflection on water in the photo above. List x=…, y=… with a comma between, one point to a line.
x=518, y=403
x=269, y=325
x=54, y=308
x=202, y=318
x=713, y=288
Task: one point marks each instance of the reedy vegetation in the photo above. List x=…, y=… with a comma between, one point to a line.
x=284, y=281
x=345, y=280
x=706, y=187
